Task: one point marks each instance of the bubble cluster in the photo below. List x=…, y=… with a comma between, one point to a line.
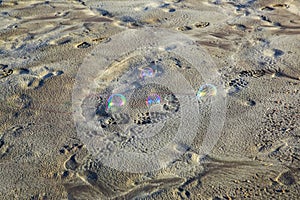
x=154, y=92
x=153, y=99
x=206, y=91
x=147, y=72
x=115, y=103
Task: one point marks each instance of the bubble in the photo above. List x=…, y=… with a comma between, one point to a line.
x=206, y=91
x=147, y=72
x=153, y=99
x=115, y=103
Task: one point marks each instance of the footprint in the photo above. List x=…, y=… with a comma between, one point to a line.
x=166, y=8
x=172, y=10
x=157, y=117
x=286, y=178
x=34, y=78
x=176, y=62
x=104, y=13
x=84, y=45
x=5, y=150
x=3, y=66
x=118, y=118
x=184, y=28
x=201, y=24
x=127, y=21
x=184, y=194
x=21, y=71
x=121, y=118
x=70, y=148
x=5, y=73
x=7, y=140
x=265, y=18
x=250, y=102
x=71, y=163
x=143, y=118
x=237, y=84
x=267, y=8
x=101, y=40
x=280, y=6
x=252, y=73
x=1, y=143
x=240, y=27
x=94, y=180
x=273, y=53
x=278, y=52
x=165, y=5
x=272, y=7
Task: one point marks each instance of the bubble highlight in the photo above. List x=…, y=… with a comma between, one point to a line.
x=115, y=103
x=206, y=91
x=153, y=99
x=147, y=72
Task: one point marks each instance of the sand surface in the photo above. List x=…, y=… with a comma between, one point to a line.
x=61, y=60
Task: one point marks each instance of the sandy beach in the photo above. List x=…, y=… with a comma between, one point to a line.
x=149, y=99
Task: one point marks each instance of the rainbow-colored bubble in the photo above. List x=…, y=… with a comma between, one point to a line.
x=115, y=103
x=147, y=72
x=206, y=91
x=153, y=99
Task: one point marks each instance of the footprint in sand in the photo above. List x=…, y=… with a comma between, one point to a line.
x=286, y=178
x=71, y=163
x=201, y=24
x=5, y=148
x=34, y=78
x=184, y=28
x=274, y=53
x=4, y=73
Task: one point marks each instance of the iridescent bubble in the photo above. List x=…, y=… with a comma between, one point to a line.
x=206, y=91
x=147, y=72
x=153, y=99
x=115, y=103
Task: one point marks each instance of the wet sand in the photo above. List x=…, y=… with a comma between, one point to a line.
x=254, y=48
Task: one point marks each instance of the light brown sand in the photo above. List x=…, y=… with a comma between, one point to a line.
x=256, y=51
